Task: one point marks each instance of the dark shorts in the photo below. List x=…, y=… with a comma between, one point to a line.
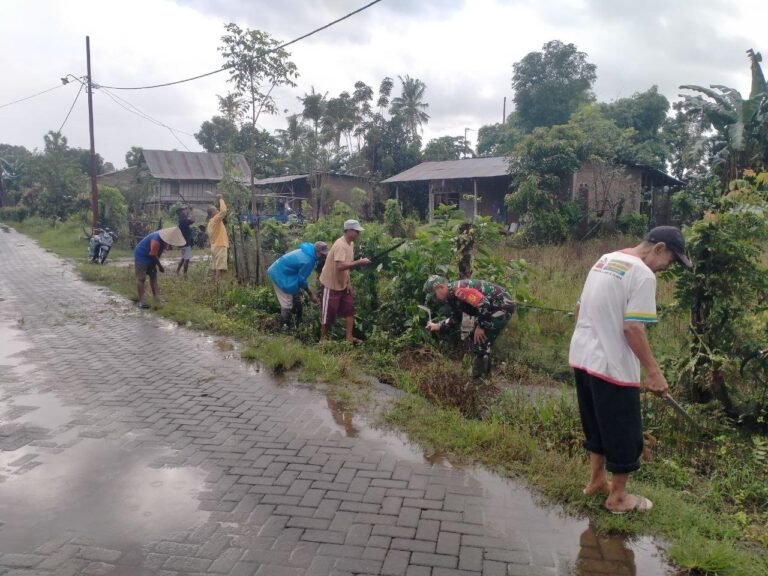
x=610, y=418
x=336, y=303
x=144, y=270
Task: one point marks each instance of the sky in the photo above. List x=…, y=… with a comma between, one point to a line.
x=463, y=50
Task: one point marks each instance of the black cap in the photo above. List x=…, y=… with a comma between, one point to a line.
x=674, y=240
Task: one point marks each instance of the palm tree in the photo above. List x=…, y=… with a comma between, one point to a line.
x=410, y=106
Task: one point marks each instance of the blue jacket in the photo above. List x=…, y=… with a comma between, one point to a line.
x=291, y=271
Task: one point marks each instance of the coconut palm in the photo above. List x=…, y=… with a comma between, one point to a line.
x=410, y=105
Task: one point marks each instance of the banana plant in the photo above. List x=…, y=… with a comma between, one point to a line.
x=740, y=124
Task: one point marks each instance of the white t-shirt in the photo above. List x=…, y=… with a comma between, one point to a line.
x=619, y=288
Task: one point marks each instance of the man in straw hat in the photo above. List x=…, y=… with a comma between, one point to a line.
x=146, y=258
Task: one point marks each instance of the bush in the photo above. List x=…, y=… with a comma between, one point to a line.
x=393, y=219
x=634, y=224
x=14, y=213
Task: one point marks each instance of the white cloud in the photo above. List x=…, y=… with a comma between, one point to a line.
x=464, y=51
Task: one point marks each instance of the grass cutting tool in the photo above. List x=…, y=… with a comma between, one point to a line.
x=672, y=403
x=427, y=310
x=376, y=257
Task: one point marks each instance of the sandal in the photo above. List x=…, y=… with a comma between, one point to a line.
x=642, y=504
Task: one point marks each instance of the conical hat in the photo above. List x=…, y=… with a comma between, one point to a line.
x=172, y=236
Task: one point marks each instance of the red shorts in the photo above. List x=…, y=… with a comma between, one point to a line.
x=336, y=303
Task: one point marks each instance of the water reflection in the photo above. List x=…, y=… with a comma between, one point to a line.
x=343, y=416
x=600, y=555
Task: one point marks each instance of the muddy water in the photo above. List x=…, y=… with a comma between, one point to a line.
x=98, y=488
x=548, y=528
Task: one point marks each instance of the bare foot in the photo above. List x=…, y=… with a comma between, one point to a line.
x=592, y=489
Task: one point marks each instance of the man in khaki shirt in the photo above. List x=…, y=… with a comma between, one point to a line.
x=338, y=299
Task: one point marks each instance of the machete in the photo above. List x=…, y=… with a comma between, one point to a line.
x=672, y=403
x=381, y=255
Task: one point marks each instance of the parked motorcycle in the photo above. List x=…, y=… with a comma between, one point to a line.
x=100, y=244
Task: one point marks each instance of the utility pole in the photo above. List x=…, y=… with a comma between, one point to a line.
x=94, y=185
x=504, y=112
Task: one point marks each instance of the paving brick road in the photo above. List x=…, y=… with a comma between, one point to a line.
x=129, y=446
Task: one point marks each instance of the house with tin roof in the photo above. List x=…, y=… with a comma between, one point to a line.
x=172, y=176
x=478, y=187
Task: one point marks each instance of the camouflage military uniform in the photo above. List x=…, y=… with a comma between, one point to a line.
x=490, y=305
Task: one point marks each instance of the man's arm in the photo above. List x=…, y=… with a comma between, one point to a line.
x=222, y=206
x=154, y=253
x=341, y=265
x=634, y=332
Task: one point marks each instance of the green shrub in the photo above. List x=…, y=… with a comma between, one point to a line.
x=14, y=213
x=393, y=219
x=633, y=224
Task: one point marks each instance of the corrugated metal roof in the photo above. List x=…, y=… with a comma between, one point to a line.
x=176, y=165
x=279, y=179
x=454, y=169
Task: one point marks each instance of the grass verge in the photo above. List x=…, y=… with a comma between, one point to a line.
x=532, y=436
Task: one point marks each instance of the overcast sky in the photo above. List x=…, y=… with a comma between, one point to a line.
x=462, y=49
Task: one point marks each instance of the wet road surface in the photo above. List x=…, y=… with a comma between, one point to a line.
x=129, y=446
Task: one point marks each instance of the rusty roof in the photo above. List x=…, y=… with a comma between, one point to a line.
x=279, y=179
x=176, y=165
x=454, y=170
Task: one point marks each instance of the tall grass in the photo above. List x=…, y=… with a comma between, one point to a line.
x=66, y=238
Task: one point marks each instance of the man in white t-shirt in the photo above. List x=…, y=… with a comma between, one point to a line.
x=608, y=348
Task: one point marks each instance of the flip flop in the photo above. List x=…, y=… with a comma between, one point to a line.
x=144, y=306
x=642, y=504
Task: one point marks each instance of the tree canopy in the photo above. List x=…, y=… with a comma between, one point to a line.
x=552, y=84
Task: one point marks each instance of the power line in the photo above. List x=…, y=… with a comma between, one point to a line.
x=32, y=96
x=134, y=110
x=223, y=68
x=71, y=107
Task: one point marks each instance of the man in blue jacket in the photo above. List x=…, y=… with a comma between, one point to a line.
x=289, y=275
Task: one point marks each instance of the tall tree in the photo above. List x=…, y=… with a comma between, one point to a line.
x=218, y=135
x=410, y=104
x=256, y=66
x=551, y=85
x=498, y=139
x=133, y=156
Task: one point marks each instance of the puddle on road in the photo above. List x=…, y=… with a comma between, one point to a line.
x=14, y=344
x=515, y=510
x=44, y=410
x=99, y=490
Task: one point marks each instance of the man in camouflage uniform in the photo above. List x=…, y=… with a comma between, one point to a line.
x=490, y=305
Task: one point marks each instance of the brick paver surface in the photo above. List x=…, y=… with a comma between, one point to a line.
x=130, y=446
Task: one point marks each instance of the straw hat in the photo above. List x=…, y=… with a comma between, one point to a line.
x=172, y=236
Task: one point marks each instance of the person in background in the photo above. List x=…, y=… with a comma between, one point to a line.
x=185, y=225
x=338, y=298
x=490, y=305
x=217, y=236
x=290, y=274
x=146, y=258
x=608, y=348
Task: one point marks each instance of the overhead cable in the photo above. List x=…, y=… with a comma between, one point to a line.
x=223, y=68
x=79, y=90
x=30, y=97
x=134, y=110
